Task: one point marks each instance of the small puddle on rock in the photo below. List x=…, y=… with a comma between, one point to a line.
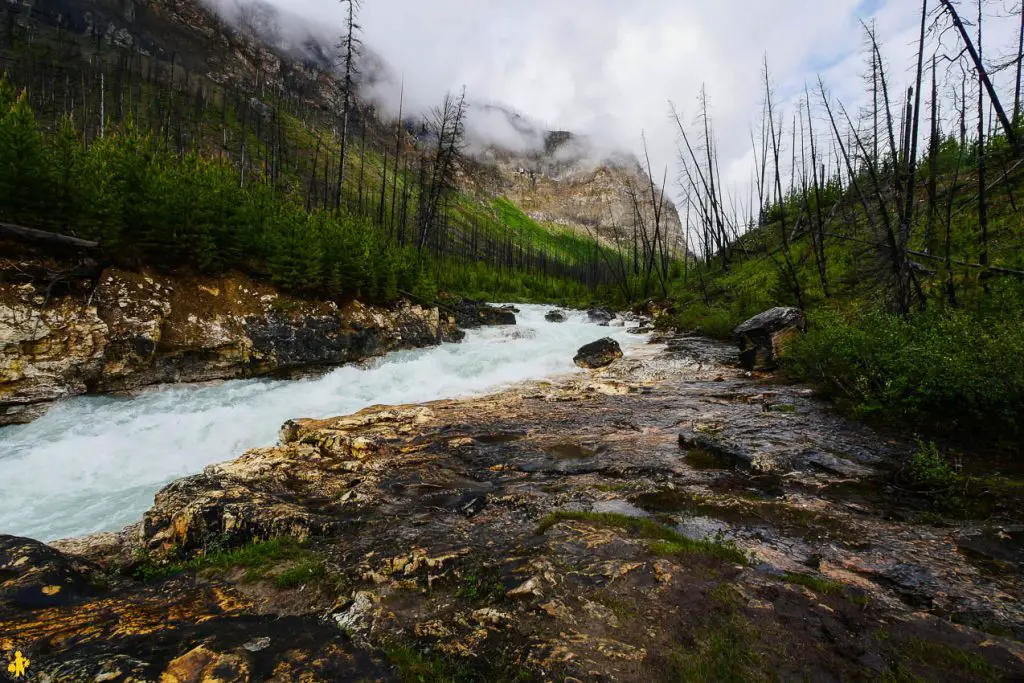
x=570, y=451
x=619, y=507
x=498, y=438
x=665, y=501
x=700, y=459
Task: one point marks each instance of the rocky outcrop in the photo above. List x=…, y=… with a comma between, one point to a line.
x=563, y=530
x=762, y=337
x=555, y=316
x=139, y=329
x=36, y=576
x=599, y=354
x=601, y=316
x=559, y=178
x=471, y=314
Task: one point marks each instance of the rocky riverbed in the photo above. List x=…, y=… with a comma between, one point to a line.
x=667, y=518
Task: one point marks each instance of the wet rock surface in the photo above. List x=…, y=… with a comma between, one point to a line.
x=662, y=517
x=471, y=314
x=139, y=329
x=601, y=316
x=555, y=317
x=598, y=354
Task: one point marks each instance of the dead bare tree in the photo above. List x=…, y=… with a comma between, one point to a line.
x=976, y=56
x=776, y=141
x=349, y=46
x=449, y=126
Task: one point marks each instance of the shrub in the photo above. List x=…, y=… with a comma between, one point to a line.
x=944, y=370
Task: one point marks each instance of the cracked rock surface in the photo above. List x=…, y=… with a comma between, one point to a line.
x=666, y=518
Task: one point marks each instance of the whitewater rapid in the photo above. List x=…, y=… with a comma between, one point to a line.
x=93, y=463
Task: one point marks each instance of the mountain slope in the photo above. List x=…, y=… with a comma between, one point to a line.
x=557, y=178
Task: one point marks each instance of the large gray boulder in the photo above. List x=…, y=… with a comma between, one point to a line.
x=601, y=316
x=761, y=336
x=471, y=314
x=598, y=354
x=555, y=317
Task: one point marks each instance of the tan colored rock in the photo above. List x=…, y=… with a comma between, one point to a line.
x=137, y=329
x=202, y=665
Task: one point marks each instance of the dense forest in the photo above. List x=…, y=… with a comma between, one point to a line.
x=166, y=168
x=896, y=227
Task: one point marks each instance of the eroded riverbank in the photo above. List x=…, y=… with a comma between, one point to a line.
x=668, y=518
x=113, y=453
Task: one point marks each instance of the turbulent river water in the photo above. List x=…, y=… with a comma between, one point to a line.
x=93, y=464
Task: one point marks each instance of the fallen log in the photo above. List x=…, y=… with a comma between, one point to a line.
x=20, y=233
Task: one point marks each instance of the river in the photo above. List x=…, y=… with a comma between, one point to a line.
x=93, y=463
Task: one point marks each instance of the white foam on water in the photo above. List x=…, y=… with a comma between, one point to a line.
x=93, y=463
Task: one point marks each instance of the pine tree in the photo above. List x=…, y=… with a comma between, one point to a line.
x=24, y=176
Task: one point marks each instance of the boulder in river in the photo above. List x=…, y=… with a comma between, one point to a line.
x=598, y=354
x=762, y=335
x=555, y=316
x=602, y=316
x=471, y=314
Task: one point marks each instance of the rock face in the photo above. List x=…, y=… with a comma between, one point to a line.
x=559, y=178
x=761, y=337
x=601, y=316
x=36, y=576
x=599, y=354
x=471, y=314
x=555, y=317
x=140, y=329
x=460, y=535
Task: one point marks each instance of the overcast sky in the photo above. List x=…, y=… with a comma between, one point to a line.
x=608, y=68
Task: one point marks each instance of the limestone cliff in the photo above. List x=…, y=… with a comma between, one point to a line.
x=135, y=329
x=559, y=178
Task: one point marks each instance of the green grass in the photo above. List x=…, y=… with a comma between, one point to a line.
x=259, y=560
x=622, y=608
x=825, y=587
x=256, y=557
x=949, y=657
x=725, y=650
x=667, y=542
x=306, y=572
x=481, y=584
x=414, y=664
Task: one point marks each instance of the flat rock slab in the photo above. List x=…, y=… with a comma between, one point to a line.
x=556, y=529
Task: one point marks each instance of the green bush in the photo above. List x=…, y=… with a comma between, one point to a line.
x=945, y=370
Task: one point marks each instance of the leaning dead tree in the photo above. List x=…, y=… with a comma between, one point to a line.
x=975, y=52
x=438, y=178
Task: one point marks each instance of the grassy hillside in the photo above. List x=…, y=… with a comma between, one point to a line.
x=952, y=364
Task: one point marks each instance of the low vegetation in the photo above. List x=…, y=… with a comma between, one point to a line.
x=417, y=664
x=667, y=541
x=285, y=562
x=825, y=587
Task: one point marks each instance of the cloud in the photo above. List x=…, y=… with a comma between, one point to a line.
x=607, y=69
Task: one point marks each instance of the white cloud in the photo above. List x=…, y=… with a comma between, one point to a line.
x=607, y=69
